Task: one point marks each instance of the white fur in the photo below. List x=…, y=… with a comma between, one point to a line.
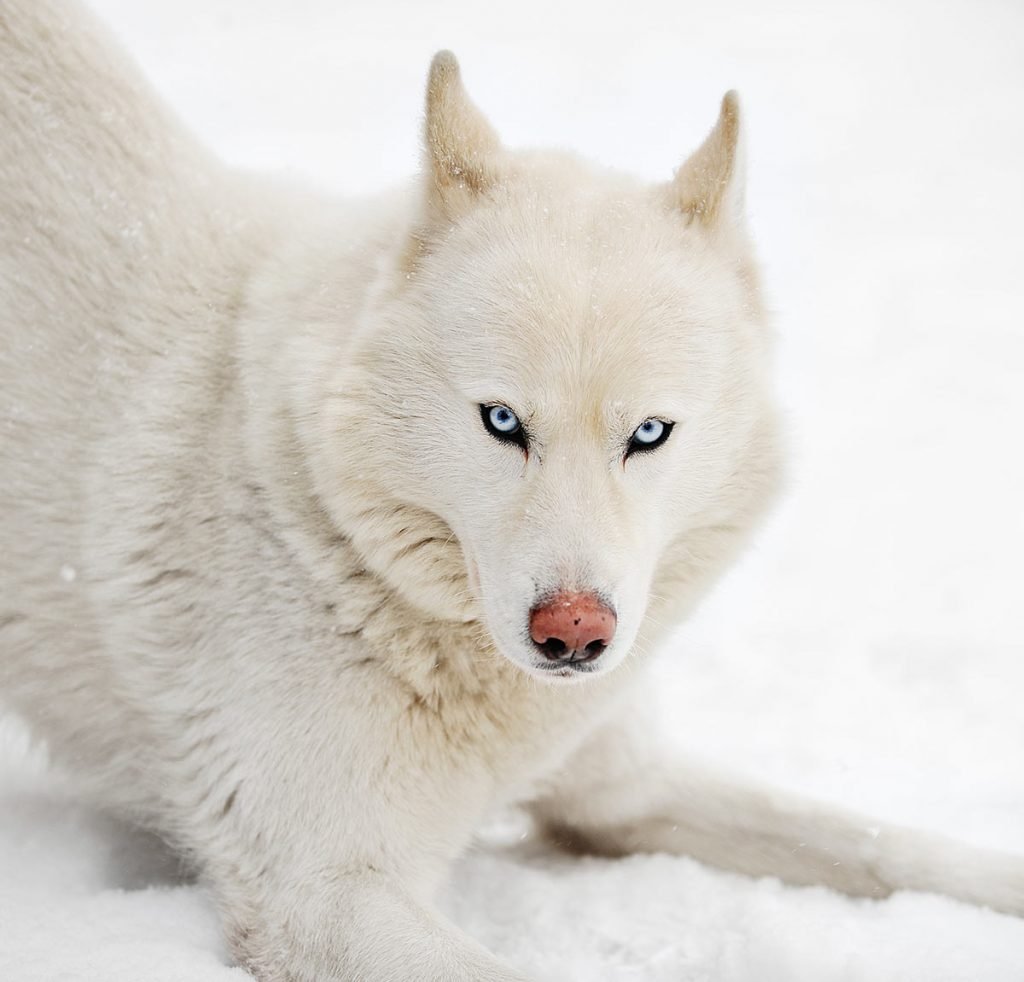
x=265, y=577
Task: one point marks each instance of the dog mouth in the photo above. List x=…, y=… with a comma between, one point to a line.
x=557, y=673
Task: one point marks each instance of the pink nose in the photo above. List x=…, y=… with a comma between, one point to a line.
x=572, y=627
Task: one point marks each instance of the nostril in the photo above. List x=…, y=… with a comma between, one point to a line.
x=554, y=649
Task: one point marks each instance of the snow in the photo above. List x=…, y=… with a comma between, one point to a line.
x=870, y=648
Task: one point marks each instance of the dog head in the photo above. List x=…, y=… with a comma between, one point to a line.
x=556, y=418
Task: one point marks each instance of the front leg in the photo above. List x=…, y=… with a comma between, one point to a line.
x=625, y=792
x=346, y=924
x=323, y=829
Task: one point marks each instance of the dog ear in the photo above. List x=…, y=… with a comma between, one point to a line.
x=462, y=150
x=709, y=185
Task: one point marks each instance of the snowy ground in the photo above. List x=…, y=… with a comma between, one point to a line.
x=870, y=649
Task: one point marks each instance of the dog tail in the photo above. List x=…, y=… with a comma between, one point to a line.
x=761, y=831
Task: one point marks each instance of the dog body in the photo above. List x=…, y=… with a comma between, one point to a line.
x=268, y=582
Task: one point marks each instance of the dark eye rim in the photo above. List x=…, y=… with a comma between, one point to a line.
x=635, y=446
x=518, y=436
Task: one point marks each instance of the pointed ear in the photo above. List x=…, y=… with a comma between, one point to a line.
x=462, y=151
x=709, y=185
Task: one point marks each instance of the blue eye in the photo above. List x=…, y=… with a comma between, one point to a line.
x=502, y=419
x=649, y=435
x=503, y=424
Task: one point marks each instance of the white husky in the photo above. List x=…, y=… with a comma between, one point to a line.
x=324, y=524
